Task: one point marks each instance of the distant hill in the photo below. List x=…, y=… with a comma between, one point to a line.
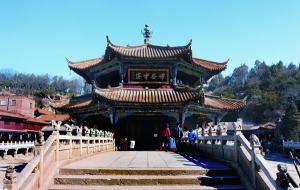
x=271, y=91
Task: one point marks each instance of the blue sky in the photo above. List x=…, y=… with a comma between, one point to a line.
x=36, y=36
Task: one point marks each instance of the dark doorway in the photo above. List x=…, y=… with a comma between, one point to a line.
x=144, y=129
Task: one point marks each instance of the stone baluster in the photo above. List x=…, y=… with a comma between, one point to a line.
x=9, y=181
x=237, y=131
x=255, y=144
x=93, y=133
x=199, y=134
x=79, y=133
x=69, y=133
x=56, y=127
x=40, y=150
x=206, y=134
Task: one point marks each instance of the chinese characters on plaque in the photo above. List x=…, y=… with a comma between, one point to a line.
x=148, y=75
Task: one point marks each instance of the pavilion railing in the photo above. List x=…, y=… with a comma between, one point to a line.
x=56, y=151
x=292, y=145
x=246, y=156
x=15, y=146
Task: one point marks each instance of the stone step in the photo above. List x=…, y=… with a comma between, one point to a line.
x=163, y=187
x=140, y=171
x=127, y=180
x=216, y=180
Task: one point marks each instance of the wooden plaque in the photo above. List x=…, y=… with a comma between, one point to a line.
x=148, y=76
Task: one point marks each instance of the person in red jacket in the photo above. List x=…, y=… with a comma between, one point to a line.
x=165, y=136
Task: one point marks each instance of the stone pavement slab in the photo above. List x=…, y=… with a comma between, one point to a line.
x=143, y=159
x=274, y=159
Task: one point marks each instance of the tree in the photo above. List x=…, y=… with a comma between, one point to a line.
x=290, y=127
x=215, y=82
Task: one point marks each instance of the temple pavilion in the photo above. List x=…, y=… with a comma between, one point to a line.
x=137, y=89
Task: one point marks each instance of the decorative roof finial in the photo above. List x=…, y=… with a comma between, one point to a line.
x=147, y=34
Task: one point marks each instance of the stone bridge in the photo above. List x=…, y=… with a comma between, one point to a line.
x=66, y=161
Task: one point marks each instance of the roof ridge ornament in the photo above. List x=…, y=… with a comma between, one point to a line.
x=108, y=40
x=147, y=34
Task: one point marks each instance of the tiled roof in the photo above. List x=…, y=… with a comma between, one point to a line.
x=148, y=51
x=75, y=102
x=56, y=117
x=11, y=115
x=43, y=112
x=84, y=64
x=37, y=121
x=210, y=65
x=48, y=116
x=149, y=96
x=223, y=103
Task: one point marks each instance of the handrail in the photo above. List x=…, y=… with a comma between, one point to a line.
x=242, y=139
x=38, y=167
x=211, y=136
x=49, y=143
x=26, y=172
x=259, y=160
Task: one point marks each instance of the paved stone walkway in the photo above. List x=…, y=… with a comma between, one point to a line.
x=274, y=159
x=143, y=159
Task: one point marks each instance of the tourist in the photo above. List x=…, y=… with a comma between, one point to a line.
x=123, y=144
x=191, y=136
x=166, y=135
x=177, y=134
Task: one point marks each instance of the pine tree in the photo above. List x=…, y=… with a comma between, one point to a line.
x=291, y=123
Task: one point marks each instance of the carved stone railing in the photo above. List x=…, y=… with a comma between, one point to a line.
x=214, y=142
x=56, y=151
x=15, y=146
x=293, y=145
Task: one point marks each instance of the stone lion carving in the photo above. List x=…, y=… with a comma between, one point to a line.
x=56, y=125
x=199, y=132
x=238, y=124
x=10, y=174
x=68, y=127
x=222, y=129
x=86, y=131
x=93, y=132
x=40, y=137
x=97, y=132
x=78, y=130
x=205, y=130
x=213, y=130
x=254, y=140
x=101, y=133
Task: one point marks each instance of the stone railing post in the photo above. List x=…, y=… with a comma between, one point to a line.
x=212, y=134
x=9, y=181
x=79, y=133
x=255, y=144
x=69, y=133
x=97, y=134
x=56, y=126
x=237, y=131
x=40, y=151
x=56, y=133
x=93, y=132
x=87, y=134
